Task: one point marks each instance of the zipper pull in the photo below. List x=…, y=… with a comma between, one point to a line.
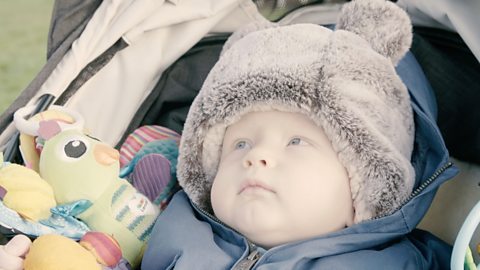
x=249, y=261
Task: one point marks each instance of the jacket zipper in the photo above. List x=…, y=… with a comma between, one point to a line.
x=418, y=190
x=248, y=262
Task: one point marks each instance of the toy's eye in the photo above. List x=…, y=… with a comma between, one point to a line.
x=75, y=148
x=71, y=148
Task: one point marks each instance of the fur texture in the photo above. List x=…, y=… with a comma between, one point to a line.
x=344, y=80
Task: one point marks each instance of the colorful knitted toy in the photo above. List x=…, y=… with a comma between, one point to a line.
x=83, y=173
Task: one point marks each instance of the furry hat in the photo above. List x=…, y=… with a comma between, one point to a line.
x=344, y=80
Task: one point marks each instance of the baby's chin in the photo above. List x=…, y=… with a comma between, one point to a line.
x=266, y=241
x=258, y=234
x=268, y=237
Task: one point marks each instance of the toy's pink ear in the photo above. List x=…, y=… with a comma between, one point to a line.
x=48, y=129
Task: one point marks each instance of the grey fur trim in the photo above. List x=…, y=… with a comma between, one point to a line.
x=383, y=24
x=333, y=77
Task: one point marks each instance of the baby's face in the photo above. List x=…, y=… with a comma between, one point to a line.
x=279, y=180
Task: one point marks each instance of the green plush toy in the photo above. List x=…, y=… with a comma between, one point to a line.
x=83, y=173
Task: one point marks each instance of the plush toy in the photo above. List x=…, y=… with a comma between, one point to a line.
x=29, y=148
x=56, y=252
x=12, y=254
x=23, y=190
x=103, y=247
x=95, y=251
x=83, y=173
x=153, y=170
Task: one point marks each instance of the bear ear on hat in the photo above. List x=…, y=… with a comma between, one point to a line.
x=381, y=23
x=245, y=30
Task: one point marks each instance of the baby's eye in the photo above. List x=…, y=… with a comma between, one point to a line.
x=242, y=144
x=297, y=141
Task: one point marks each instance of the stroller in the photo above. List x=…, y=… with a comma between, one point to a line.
x=123, y=65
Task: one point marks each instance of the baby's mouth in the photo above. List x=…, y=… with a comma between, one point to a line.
x=253, y=184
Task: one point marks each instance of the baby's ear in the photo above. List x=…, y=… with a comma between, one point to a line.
x=245, y=30
x=381, y=23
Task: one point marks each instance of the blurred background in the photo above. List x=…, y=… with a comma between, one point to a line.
x=23, y=41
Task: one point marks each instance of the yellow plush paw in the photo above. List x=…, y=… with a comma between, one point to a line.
x=56, y=252
x=26, y=192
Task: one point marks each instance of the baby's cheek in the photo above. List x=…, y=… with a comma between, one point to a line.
x=222, y=201
x=217, y=197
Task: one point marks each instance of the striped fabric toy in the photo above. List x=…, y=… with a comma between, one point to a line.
x=140, y=137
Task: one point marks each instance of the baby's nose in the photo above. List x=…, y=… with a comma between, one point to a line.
x=255, y=159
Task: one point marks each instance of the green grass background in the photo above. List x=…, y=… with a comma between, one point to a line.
x=23, y=43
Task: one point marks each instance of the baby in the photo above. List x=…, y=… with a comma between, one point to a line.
x=296, y=154
x=279, y=180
